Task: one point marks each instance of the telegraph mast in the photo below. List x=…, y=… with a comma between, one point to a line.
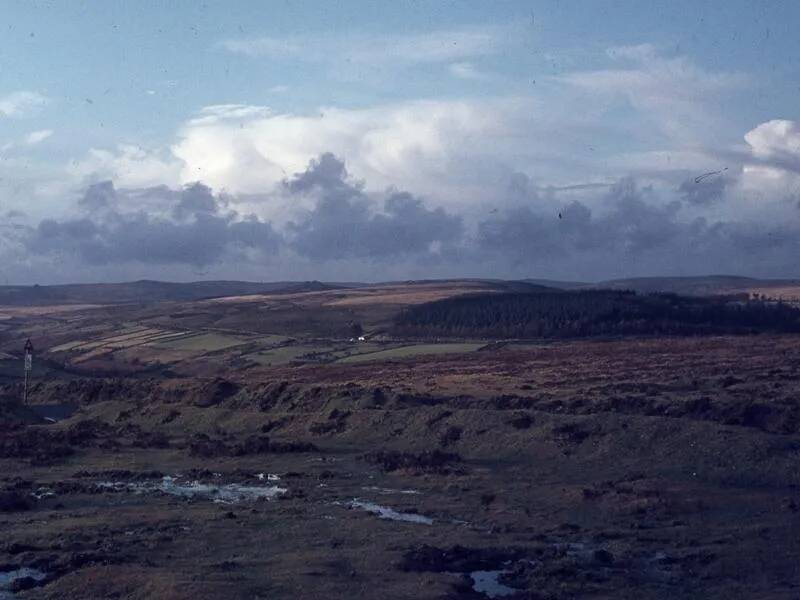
x=28, y=367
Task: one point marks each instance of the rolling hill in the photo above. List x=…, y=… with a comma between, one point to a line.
x=147, y=291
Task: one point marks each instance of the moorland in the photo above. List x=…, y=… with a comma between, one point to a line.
x=426, y=439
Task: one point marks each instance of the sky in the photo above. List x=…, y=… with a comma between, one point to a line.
x=572, y=140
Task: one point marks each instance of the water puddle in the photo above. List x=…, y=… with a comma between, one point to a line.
x=8, y=578
x=43, y=492
x=485, y=582
x=52, y=413
x=230, y=493
x=390, y=514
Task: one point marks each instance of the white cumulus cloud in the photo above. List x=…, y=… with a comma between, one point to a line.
x=21, y=103
x=779, y=137
x=35, y=137
x=128, y=166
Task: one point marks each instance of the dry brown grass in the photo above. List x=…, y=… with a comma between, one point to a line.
x=416, y=293
x=789, y=293
x=7, y=312
x=402, y=297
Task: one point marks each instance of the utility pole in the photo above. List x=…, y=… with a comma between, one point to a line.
x=28, y=367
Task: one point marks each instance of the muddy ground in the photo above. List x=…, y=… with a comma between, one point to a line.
x=654, y=468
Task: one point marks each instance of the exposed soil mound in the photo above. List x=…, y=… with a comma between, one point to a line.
x=435, y=461
x=216, y=392
x=37, y=445
x=207, y=447
x=45, y=445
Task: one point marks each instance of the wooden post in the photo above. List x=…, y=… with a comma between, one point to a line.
x=28, y=368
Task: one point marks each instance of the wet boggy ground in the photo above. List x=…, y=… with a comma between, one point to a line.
x=628, y=469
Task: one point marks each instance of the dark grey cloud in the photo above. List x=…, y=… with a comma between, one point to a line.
x=580, y=232
x=343, y=223
x=196, y=233
x=196, y=199
x=98, y=196
x=521, y=188
x=636, y=233
x=193, y=226
x=633, y=224
x=704, y=191
x=328, y=174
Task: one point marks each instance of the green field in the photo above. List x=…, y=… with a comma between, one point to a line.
x=352, y=353
x=126, y=339
x=67, y=346
x=272, y=340
x=317, y=353
x=203, y=342
x=410, y=351
x=356, y=349
x=84, y=344
x=285, y=354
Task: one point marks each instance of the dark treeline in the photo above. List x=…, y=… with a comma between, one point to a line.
x=591, y=313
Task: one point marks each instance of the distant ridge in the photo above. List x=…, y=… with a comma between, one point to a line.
x=702, y=285
x=147, y=291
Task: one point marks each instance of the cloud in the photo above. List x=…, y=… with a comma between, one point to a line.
x=344, y=223
x=776, y=138
x=194, y=230
x=465, y=70
x=193, y=226
x=98, y=196
x=31, y=139
x=129, y=166
x=771, y=161
x=633, y=224
x=635, y=233
x=705, y=189
x=775, y=147
x=340, y=225
x=673, y=91
x=566, y=132
x=221, y=113
x=453, y=186
x=36, y=137
x=21, y=104
x=430, y=144
x=432, y=47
